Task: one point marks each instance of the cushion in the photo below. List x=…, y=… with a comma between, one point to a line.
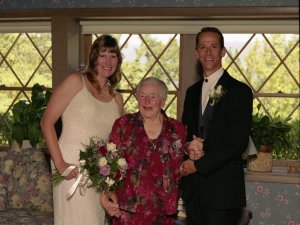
x=29, y=186
x=3, y=192
x=6, y=166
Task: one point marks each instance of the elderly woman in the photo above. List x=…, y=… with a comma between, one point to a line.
x=153, y=147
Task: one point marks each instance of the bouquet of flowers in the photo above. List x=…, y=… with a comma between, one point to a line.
x=100, y=165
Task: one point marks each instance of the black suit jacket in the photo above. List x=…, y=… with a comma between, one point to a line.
x=219, y=180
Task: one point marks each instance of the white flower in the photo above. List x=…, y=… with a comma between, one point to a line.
x=109, y=181
x=102, y=161
x=82, y=162
x=215, y=94
x=122, y=163
x=219, y=90
x=111, y=147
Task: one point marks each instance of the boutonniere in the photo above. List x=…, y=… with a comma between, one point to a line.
x=215, y=94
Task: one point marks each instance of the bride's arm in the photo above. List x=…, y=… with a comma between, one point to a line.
x=59, y=100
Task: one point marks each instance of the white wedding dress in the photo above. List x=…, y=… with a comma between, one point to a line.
x=83, y=118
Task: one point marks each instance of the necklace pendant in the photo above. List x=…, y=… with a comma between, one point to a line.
x=153, y=143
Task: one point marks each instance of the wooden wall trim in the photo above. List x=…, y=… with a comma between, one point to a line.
x=156, y=13
x=65, y=47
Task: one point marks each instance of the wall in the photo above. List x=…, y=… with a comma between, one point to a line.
x=273, y=203
x=35, y=4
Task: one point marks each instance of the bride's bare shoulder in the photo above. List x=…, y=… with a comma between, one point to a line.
x=119, y=100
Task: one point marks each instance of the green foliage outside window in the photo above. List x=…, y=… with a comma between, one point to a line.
x=22, y=60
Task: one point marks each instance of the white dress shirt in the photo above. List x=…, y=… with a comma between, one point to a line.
x=209, y=83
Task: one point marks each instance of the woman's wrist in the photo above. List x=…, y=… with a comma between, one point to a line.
x=185, y=148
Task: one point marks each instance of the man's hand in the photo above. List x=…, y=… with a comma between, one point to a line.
x=188, y=167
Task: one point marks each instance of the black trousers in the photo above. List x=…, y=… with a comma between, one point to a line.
x=200, y=214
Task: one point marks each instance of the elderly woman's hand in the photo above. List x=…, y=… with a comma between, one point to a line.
x=187, y=167
x=110, y=204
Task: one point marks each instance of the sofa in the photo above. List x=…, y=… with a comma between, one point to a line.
x=25, y=187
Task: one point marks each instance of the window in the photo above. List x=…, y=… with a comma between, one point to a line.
x=269, y=64
x=25, y=59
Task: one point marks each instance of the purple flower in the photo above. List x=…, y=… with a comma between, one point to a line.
x=114, y=154
x=105, y=170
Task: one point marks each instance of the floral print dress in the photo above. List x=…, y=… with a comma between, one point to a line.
x=150, y=191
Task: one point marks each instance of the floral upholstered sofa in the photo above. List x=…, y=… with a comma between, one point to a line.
x=25, y=187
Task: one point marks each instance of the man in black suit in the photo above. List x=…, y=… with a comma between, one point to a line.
x=217, y=113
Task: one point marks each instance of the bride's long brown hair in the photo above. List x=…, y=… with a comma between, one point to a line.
x=102, y=44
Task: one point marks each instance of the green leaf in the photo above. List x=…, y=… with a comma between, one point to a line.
x=34, y=133
x=18, y=134
x=18, y=110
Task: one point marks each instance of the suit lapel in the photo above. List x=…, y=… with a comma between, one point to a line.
x=205, y=119
x=199, y=107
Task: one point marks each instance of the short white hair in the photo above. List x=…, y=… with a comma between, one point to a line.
x=162, y=84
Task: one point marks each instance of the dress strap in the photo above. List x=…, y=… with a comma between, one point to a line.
x=82, y=75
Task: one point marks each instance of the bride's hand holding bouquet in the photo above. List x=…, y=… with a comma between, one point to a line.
x=100, y=165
